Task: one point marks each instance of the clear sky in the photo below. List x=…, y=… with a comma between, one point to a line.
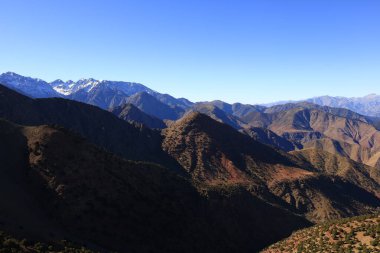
x=233, y=50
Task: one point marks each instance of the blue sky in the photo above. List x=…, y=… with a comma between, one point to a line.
x=246, y=51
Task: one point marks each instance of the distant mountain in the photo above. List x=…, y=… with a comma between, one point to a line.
x=337, y=131
x=102, y=96
x=32, y=87
x=102, y=93
x=342, y=112
x=236, y=109
x=70, y=87
x=98, y=126
x=152, y=106
x=268, y=137
x=108, y=94
x=132, y=114
x=352, y=135
x=173, y=102
x=368, y=105
x=218, y=114
x=105, y=94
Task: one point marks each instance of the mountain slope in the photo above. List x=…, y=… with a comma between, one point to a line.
x=173, y=102
x=75, y=184
x=32, y=87
x=216, y=154
x=334, y=130
x=97, y=197
x=268, y=137
x=341, y=112
x=236, y=109
x=98, y=126
x=367, y=105
x=152, y=106
x=102, y=96
x=212, y=150
x=131, y=113
x=365, y=176
x=218, y=114
x=128, y=88
x=102, y=93
x=357, y=234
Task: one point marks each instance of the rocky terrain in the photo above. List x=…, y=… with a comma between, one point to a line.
x=216, y=154
x=336, y=131
x=155, y=172
x=356, y=234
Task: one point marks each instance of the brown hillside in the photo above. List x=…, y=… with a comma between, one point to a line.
x=215, y=154
x=268, y=137
x=63, y=187
x=218, y=114
x=357, y=234
x=343, y=133
x=365, y=176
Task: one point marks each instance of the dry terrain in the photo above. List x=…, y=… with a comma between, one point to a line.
x=357, y=234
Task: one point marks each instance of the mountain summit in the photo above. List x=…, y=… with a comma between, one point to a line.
x=32, y=87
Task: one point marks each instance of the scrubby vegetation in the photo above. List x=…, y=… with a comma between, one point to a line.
x=358, y=234
x=10, y=244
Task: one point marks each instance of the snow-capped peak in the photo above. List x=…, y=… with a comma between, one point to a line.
x=69, y=87
x=33, y=87
x=88, y=84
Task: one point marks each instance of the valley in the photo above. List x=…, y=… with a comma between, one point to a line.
x=116, y=166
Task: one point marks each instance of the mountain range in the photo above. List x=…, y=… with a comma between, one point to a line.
x=116, y=166
x=108, y=94
x=104, y=94
x=368, y=105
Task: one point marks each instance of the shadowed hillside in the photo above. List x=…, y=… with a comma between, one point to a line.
x=98, y=126
x=75, y=190
x=365, y=176
x=10, y=243
x=132, y=114
x=268, y=137
x=218, y=114
x=152, y=106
